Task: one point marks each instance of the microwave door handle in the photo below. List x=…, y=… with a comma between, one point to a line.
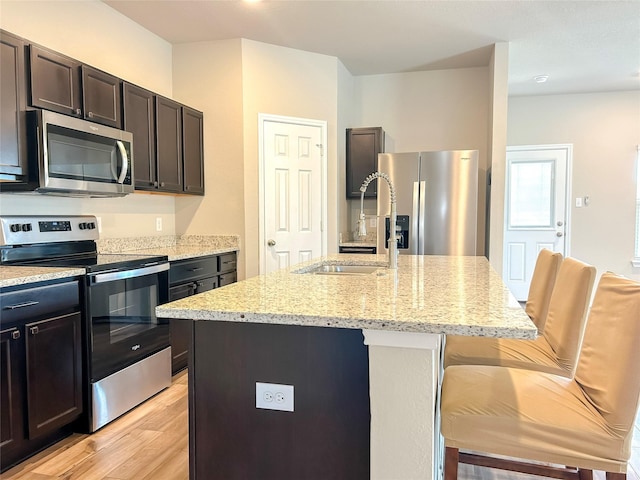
x=125, y=161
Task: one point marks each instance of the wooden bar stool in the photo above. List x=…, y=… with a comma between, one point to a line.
x=586, y=422
x=556, y=350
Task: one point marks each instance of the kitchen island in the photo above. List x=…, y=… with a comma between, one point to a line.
x=362, y=353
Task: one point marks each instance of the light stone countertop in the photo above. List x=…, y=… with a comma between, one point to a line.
x=179, y=247
x=182, y=252
x=430, y=294
x=10, y=275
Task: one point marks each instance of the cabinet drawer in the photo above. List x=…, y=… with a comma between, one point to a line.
x=227, y=262
x=227, y=278
x=182, y=291
x=31, y=303
x=206, y=284
x=193, y=269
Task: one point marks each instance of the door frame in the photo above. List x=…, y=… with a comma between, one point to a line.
x=262, y=119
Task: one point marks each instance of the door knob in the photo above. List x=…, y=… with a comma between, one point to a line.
x=559, y=234
x=271, y=243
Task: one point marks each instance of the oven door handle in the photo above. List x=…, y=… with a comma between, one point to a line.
x=123, y=274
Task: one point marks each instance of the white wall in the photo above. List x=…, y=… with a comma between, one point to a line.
x=432, y=110
x=208, y=77
x=288, y=82
x=84, y=31
x=604, y=129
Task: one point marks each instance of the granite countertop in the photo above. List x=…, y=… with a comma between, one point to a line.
x=358, y=244
x=10, y=275
x=430, y=294
x=175, y=248
x=182, y=252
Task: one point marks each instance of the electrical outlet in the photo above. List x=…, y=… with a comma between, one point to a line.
x=274, y=396
x=159, y=224
x=372, y=222
x=99, y=220
x=579, y=202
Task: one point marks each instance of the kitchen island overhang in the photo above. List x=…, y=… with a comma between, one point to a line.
x=314, y=323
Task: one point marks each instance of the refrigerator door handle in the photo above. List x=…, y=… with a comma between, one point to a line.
x=421, y=218
x=413, y=237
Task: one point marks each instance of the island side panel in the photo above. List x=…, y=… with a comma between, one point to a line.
x=327, y=435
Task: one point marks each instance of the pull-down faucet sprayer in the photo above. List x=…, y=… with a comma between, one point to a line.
x=362, y=229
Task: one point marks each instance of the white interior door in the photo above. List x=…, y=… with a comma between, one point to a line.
x=536, y=213
x=293, y=191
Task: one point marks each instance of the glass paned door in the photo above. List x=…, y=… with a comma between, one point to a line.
x=536, y=214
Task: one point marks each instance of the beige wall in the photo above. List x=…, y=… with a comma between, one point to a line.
x=499, y=69
x=208, y=76
x=604, y=129
x=84, y=31
x=433, y=110
x=283, y=81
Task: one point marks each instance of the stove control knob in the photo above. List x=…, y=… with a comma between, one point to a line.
x=82, y=225
x=26, y=227
x=15, y=227
x=91, y=225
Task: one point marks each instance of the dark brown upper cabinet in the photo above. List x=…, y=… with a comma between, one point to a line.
x=139, y=118
x=193, y=155
x=363, y=147
x=169, y=144
x=55, y=81
x=13, y=103
x=101, y=97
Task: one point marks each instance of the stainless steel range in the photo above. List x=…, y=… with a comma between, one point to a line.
x=127, y=353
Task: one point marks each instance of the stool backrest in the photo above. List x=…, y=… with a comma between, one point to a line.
x=607, y=369
x=542, y=282
x=568, y=309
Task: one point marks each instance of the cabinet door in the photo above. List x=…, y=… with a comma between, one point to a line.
x=193, y=148
x=13, y=148
x=169, y=144
x=363, y=147
x=55, y=81
x=54, y=372
x=180, y=330
x=139, y=119
x=101, y=98
x=11, y=386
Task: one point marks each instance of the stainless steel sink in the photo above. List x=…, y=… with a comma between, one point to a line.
x=345, y=269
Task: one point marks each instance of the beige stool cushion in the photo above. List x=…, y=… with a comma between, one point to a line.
x=585, y=422
x=556, y=351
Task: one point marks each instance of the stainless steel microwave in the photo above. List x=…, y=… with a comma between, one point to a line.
x=74, y=157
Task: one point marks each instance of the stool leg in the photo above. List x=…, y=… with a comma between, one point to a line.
x=451, y=457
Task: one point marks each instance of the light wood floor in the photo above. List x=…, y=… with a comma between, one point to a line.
x=151, y=443
x=148, y=443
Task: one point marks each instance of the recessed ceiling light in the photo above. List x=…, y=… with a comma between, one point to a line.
x=541, y=78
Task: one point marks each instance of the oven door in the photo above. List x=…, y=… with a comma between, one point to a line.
x=123, y=325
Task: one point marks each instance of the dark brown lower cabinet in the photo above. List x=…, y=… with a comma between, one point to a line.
x=40, y=368
x=54, y=372
x=326, y=436
x=189, y=277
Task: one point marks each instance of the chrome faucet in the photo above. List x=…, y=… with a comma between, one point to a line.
x=362, y=229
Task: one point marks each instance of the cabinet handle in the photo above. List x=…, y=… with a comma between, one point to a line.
x=20, y=305
x=15, y=334
x=195, y=269
x=155, y=184
x=90, y=114
x=34, y=330
x=78, y=111
x=162, y=184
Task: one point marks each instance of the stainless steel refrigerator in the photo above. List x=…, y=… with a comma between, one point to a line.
x=436, y=200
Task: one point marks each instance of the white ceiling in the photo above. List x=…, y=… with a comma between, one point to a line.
x=584, y=46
